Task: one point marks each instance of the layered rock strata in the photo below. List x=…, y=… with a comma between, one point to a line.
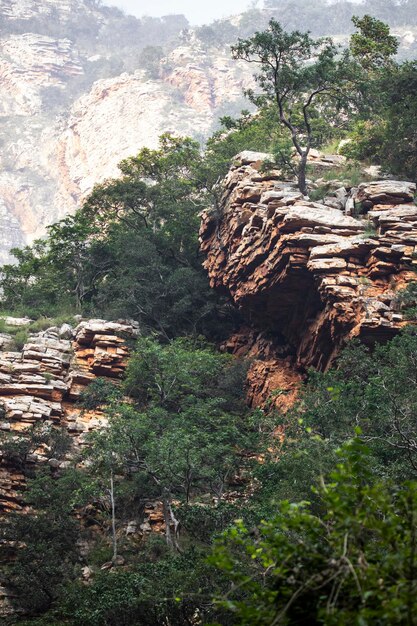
x=307, y=275
x=41, y=384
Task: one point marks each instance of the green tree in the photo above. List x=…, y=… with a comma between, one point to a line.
x=162, y=588
x=376, y=391
x=386, y=133
x=373, y=45
x=45, y=540
x=298, y=74
x=131, y=250
x=188, y=434
x=384, y=129
x=150, y=60
x=355, y=563
x=56, y=274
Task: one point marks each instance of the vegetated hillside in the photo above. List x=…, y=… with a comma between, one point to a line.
x=83, y=86
x=149, y=477
x=115, y=491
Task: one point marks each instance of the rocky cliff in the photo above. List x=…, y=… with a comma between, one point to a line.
x=83, y=86
x=308, y=276
x=77, y=97
x=40, y=386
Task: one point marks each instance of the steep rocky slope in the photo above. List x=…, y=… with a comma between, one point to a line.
x=40, y=386
x=307, y=276
x=74, y=101
x=77, y=96
x=123, y=114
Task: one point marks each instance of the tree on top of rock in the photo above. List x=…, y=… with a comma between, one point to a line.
x=306, y=78
x=296, y=74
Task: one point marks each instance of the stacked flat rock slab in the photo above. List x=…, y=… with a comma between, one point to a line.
x=324, y=161
x=305, y=272
x=41, y=384
x=386, y=192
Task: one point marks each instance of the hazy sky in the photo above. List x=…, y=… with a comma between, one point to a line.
x=197, y=11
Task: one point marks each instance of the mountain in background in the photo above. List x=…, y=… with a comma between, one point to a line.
x=83, y=86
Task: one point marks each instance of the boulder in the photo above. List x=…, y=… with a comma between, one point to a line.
x=66, y=332
x=305, y=215
x=386, y=192
x=41, y=384
x=16, y=321
x=6, y=341
x=248, y=157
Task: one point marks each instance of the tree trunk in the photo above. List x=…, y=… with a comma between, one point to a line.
x=302, y=183
x=170, y=519
x=113, y=516
x=167, y=521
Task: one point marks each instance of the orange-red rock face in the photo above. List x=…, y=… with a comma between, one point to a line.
x=304, y=274
x=272, y=377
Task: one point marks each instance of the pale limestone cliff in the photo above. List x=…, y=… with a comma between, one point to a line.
x=29, y=63
x=121, y=115
x=65, y=128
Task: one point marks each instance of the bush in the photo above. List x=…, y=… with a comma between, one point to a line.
x=354, y=563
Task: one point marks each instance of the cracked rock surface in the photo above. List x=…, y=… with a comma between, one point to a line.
x=42, y=383
x=305, y=275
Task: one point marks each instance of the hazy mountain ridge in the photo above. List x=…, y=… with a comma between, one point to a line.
x=73, y=102
x=83, y=86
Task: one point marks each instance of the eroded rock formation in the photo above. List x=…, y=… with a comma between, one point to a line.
x=307, y=276
x=41, y=384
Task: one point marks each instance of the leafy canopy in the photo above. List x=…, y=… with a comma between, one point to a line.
x=296, y=74
x=355, y=563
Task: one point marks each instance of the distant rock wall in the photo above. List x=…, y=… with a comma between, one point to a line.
x=75, y=100
x=307, y=276
x=69, y=114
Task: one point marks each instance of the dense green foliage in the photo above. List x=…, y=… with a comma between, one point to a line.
x=132, y=250
x=388, y=137
x=44, y=542
x=182, y=440
x=182, y=452
x=383, y=130
x=354, y=563
x=186, y=434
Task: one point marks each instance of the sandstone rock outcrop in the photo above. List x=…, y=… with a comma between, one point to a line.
x=305, y=275
x=41, y=384
x=391, y=192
